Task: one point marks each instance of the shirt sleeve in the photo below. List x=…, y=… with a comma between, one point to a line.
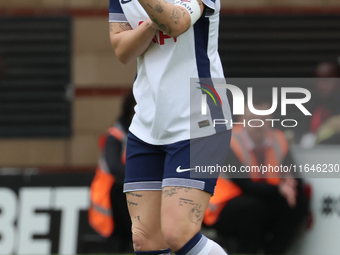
x=116, y=13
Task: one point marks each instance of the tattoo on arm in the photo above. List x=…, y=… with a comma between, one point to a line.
x=125, y=26
x=161, y=26
x=111, y=26
x=175, y=15
x=159, y=8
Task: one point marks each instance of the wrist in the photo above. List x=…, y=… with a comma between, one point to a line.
x=150, y=24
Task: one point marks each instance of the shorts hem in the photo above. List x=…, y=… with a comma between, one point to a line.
x=145, y=185
x=189, y=183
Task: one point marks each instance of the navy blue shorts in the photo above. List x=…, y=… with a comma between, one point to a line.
x=151, y=167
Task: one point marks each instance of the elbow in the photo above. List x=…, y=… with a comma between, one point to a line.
x=176, y=24
x=122, y=57
x=175, y=34
x=174, y=30
x=125, y=61
x=180, y=28
x=177, y=30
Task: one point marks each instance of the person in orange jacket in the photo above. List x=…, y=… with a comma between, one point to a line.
x=108, y=213
x=259, y=212
x=322, y=126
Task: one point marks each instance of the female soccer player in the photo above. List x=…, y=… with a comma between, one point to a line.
x=173, y=42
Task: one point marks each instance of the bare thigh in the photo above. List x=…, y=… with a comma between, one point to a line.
x=145, y=208
x=182, y=214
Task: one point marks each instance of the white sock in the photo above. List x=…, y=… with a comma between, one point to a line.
x=212, y=248
x=201, y=245
x=216, y=249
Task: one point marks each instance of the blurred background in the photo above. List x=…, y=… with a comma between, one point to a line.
x=61, y=87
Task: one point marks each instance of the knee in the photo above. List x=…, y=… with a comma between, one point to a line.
x=176, y=237
x=139, y=239
x=145, y=239
x=173, y=240
x=170, y=237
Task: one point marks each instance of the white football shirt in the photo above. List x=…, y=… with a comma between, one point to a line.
x=168, y=106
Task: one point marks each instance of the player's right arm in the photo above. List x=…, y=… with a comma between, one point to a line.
x=129, y=43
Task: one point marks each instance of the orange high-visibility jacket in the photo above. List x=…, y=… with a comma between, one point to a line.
x=226, y=190
x=100, y=212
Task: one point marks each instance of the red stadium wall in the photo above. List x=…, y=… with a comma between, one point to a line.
x=100, y=81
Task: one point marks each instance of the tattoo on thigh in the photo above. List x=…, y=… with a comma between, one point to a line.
x=186, y=189
x=169, y=192
x=184, y=201
x=196, y=214
x=134, y=194
x=131, y=203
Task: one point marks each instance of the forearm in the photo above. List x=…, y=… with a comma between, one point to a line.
x=171, y=19
x=130, y=44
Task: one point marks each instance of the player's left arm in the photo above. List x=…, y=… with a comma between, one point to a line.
x=173, y=19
